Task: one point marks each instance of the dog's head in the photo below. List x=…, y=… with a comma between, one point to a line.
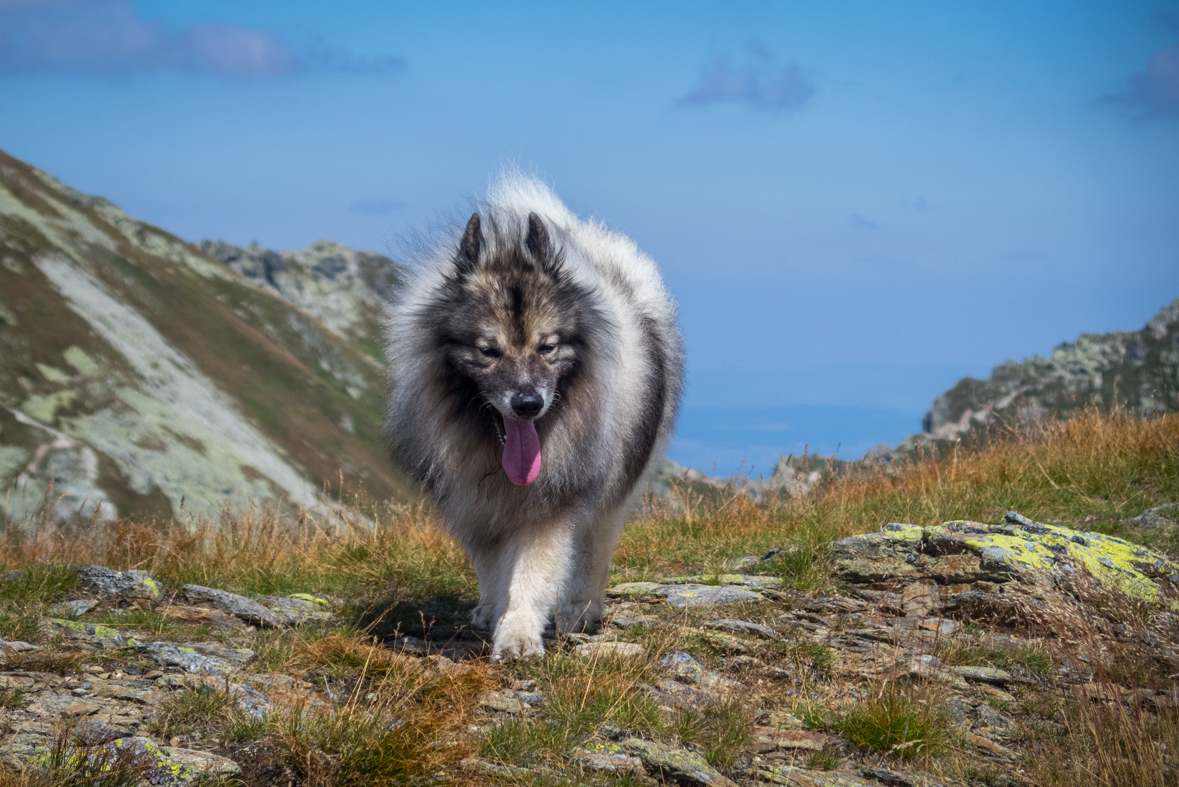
x=515, y=331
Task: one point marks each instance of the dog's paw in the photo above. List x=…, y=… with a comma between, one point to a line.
x=516, y=639
x=482, y=617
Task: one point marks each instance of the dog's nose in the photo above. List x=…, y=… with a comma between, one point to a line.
x=527, y=405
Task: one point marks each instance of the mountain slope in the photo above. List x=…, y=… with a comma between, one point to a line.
x=139, y=373
x=1138, y=370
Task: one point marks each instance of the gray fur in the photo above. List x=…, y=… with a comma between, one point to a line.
x=530, y=304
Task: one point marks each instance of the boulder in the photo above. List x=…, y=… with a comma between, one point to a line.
x=230, y=603
x=964, y=552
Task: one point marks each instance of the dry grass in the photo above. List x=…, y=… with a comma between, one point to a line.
x=1093, y=471
x=1109, y=744
x=407, y=727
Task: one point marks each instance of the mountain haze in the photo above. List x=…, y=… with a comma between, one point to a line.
x=140, y=373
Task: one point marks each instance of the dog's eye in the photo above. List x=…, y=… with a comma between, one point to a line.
x=490, y=352
x=545, y=349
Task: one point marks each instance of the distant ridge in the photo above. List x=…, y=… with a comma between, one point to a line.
x=1137, y=370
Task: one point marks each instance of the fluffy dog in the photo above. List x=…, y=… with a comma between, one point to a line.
x=536, y=375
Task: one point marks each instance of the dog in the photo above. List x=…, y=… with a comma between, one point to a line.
x=536, y=374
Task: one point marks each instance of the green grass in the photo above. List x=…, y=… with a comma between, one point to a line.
x=583, y=694
x=25, y=596
x=724, y=728
x=1030, y=659
x=906, y=722
x=153, y=625
x=200, y=709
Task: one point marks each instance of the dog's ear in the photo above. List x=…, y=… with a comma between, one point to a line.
x=469, y=246
x=539, y=245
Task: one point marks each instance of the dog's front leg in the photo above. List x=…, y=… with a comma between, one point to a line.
x=492, y=595
x=582, y=600
x=535, y=563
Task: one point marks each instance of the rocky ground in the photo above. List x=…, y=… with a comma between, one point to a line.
x=943, y=658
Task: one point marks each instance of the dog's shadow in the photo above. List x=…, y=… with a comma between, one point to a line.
x=439, y=625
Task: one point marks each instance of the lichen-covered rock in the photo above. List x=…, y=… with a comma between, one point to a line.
x=85, y=634
x=171, y=767
x=680, y=596
x=107, y=583
x=742, y=627
x=199, y=657
x=962, y=552
x=299, y=608
x=679, y=765
x=632, y=589
x=606, y=756
x=233, y=604
x=605, y=650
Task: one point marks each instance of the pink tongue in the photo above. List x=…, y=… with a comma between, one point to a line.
x=521, y=451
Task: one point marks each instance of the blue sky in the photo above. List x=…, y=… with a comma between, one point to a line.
x=855, y=203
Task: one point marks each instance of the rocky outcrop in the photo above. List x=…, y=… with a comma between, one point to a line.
x=963, y=552
x=347, y=290
x=1138, y=370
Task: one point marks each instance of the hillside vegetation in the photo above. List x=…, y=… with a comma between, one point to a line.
x=140, y=374
x=808, y=680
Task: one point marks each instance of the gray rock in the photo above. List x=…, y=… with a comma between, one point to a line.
x=1159, y=517
x=603, y=650
x=606, y=757
x=633, y=621
x=920, y=600
x=414, y=645
x=108, y=583
x=502, y=702
x=680, y=596
x=298, y=610
x=199, y=657
x=742, y=627
x=233, y=604
x=680, y=765
x=682, y=666
x=923, y=666
x=990, y=717
x=16, y=645
x=987, y=675
x=885, y=777
x=739, y=563
x=768, y=739
x=72, y=609
x=253, y=702
x=95, y=733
